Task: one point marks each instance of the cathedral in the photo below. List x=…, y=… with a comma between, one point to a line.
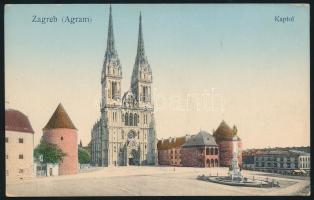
x=125, y=133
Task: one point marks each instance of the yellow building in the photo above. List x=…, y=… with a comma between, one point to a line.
x=19, y=145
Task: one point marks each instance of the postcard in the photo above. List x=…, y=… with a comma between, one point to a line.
x=157, y=99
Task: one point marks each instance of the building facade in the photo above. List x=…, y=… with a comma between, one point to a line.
x=223, y=136
x=169, y=150
x=201, y=150
x=125, y=133
x=284, y=162
x=248, y=159
x=61, y=131
x=19, y=146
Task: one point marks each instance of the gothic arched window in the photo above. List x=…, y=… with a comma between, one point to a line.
x=135, y=119
x=113, y=89
x=131, y=119
x=126, y=120
x=211, y=151
x=207, y=151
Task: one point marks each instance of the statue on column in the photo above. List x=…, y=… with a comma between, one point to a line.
x=234, y=170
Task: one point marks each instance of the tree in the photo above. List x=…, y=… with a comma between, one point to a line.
x=51, y=152
x=83, y=156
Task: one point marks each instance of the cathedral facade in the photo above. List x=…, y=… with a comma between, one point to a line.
x=125, y=133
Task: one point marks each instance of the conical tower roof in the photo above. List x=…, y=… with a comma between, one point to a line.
x=60, y=119
x=224, y=132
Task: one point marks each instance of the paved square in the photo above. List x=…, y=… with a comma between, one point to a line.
x=151, y=181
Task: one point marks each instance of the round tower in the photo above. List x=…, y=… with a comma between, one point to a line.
x=61, y=131
x=224, y=138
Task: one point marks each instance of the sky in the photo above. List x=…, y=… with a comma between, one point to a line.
x=209, y=62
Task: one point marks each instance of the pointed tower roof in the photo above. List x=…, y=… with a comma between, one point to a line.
x=59, y=119
x=111, y=55
x=141, y=59
x=140, y=43
x=111, y=50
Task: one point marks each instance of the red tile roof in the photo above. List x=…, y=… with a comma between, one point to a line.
x=170, y=143
x=17, y=121
x=59, y=119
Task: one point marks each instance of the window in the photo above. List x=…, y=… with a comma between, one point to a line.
x=114, y=89
x=21, y=140
x=21, y=156
x=135, y=119
x=207, y=151
x=131, y=120
x=114, y=149
x=126, y=119
x=6, y=140
x=61, y=138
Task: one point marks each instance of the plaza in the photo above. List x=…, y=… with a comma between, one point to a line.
x=152, y=181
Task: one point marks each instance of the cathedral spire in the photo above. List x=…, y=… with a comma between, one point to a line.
x=110, y=39
x=140, y=45
x=141, y=70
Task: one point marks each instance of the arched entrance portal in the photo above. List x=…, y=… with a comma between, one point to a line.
x=133, y=150
x=134, y=157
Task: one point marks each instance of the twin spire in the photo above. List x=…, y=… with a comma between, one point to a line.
x=111, y=50
x=110, y=39
x=140, y=45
